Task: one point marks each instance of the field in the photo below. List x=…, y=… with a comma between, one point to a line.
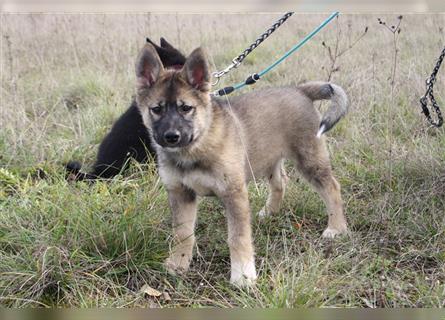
x=66, y=78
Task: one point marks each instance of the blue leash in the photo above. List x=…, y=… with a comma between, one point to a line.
x=256, y=76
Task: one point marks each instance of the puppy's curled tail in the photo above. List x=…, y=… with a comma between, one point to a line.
x=319, y=90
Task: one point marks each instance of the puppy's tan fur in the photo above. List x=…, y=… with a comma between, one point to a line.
x=250, y=133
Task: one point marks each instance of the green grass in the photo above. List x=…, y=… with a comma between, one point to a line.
x=79, y=244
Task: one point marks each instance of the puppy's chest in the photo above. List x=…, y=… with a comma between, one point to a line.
x=203, y=181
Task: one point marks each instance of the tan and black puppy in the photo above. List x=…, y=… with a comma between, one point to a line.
x=210, y=146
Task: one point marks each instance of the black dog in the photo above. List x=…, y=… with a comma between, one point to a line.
x=128, y=137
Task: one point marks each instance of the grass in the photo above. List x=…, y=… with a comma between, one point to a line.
x=64, y=244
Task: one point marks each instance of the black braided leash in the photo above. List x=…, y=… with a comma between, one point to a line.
x=429, y=94
x=263, y=37
x=237, y=61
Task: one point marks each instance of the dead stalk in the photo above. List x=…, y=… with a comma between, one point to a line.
x=336, y=52
x=395, y=30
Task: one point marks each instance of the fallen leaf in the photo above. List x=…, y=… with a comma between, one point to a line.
x=146, y=289
x=298, y=225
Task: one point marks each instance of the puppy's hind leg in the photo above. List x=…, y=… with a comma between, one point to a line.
x=330, y=191
x=313, y=162
x=277, y=185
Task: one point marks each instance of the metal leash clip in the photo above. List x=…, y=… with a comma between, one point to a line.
x=218, y=74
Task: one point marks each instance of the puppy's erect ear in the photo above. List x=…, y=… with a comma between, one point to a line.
x=196, y=70
x=148, y=67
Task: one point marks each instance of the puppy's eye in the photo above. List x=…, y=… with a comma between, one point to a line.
x=185, y=108
x=156, y=110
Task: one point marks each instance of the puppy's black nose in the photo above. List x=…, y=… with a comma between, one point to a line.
x=172, y=137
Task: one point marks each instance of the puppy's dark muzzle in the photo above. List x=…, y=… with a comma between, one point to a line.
x=172, y=138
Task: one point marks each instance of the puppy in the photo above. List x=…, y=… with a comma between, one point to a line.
x=215, y=146
x=128, y=137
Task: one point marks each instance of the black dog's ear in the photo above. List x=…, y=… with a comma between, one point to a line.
x=153, y=44
x=148, y=67
x=166, y=45
x=196, y=70
x=169, y=55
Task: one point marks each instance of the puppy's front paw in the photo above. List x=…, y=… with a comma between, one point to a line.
x=178, y=263
x=243, y=281
x=243, y=275
x=263, y=213
x=331, y=233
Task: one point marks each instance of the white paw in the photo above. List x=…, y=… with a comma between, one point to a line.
x=331, y=233
x=262, y=213
x=178, y=263
x=243, y=282
x=243, y=275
